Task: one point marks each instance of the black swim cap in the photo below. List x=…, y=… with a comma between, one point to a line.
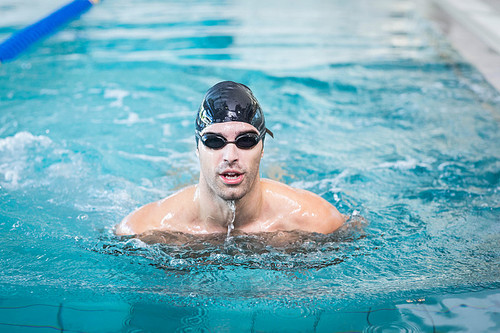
x=230, y=101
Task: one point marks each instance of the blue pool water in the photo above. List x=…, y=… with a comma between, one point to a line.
x=371, y=109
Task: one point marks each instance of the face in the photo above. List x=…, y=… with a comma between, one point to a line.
x=229, y=172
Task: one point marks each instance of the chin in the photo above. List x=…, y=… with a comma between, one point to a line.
x=231, y=195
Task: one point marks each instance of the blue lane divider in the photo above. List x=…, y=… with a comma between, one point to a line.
x=23, y=39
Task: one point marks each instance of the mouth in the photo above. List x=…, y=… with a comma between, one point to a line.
x=232, y=177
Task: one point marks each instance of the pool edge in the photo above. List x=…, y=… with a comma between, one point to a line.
x=473, y=29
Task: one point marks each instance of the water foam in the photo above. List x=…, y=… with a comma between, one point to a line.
x=16, y=156
x=117, y=94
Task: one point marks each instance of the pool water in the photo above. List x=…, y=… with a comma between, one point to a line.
x=371, y=109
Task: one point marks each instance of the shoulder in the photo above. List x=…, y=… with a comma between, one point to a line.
x=302, y=209
x=157, y=215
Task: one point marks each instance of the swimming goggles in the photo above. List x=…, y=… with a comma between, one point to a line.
x=243, y=141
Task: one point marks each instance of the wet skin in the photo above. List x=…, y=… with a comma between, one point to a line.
x=231, y=173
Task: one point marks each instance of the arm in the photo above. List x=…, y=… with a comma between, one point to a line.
x=329, y=220
x=301, y=209
x=154, y=216
x=138, y=221
x=319, y=215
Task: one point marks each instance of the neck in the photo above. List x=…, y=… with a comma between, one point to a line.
x=217, y=213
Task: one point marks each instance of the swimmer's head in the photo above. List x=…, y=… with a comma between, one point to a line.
x=230, y=101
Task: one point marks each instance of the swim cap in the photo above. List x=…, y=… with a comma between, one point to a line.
x=230, y=101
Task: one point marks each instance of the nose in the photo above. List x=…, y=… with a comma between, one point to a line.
x=230, y=153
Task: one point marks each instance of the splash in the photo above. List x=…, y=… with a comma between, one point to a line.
x=21, y=155
x=230, y=226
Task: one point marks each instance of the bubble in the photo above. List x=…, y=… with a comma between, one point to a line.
x=16, y=225
x=82, y=217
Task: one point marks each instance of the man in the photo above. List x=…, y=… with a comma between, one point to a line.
x=230, y=130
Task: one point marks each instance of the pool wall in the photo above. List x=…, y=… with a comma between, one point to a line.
x=472, y=312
